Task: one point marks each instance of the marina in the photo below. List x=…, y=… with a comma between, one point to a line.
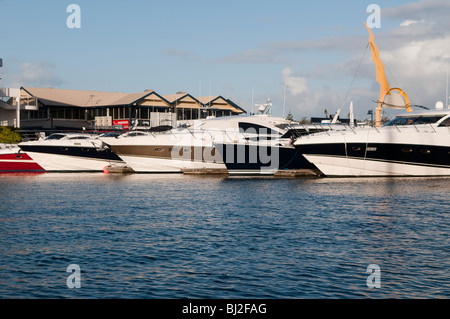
x=223, y=155
x=411, y=144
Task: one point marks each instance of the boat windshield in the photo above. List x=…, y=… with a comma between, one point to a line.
x=131, y=134
x=78, y=138
x=109, y=134
x=253, y=128
x=55, y=137
x=283, y=126
x=413, y=120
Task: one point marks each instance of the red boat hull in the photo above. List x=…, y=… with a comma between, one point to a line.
x=18, y=163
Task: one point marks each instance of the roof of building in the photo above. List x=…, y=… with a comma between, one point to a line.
x=172, y=98
x=59, y=97
x=79, y=98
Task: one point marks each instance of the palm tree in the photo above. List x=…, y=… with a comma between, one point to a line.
x=290, y=117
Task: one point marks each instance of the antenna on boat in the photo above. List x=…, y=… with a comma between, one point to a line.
x=253, y=94
x=352, y=116
x=284, y=99
x=446, y=93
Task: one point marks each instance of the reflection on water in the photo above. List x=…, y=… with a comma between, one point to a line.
x=175, y=236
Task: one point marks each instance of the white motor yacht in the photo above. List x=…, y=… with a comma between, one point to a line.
x=70, y=152
x=193, y=147
x=411, y=144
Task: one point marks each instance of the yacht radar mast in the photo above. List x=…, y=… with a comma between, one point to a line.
x=265, y=108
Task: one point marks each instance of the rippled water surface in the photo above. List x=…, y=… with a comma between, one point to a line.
x=175, y=236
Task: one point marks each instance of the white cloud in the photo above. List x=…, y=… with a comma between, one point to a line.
x=30, y=74
x=419, y=68
x=296, y=85
x=407, y=23
x=416, y=56
x=37, y=72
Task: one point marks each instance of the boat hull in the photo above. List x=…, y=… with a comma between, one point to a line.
x=169, y=158
x=18, y=163
x=13, y=161
x=248, y=159
x=332, y=166
x=405, y=152
x=161, y=165
x=64, y=158
x=69, y=163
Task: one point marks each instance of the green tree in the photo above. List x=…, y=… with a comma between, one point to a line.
x=305, y=120
x=290, y=117
x=9, y=136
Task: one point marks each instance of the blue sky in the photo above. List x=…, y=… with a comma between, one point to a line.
x=230, y=48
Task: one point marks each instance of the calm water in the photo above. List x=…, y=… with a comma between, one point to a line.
x=174, y=236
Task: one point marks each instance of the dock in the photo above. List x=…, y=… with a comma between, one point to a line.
x=291, y=173
x=205, y=171
x=118, y=170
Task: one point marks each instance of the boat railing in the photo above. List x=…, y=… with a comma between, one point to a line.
x=4, y=146
x=229, y=135
x=432, y=127
x=34, y=135
x=425, y=128
x=326, y=128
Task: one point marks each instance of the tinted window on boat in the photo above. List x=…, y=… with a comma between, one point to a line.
x=445, y=122
x=110, y=134
x=414, y=120
x=282, y=126
x=55, y=137
x=252, y=128
x=136, y=134
x=78, y=138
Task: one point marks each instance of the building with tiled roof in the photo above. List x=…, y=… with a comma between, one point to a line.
x=49, y=108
